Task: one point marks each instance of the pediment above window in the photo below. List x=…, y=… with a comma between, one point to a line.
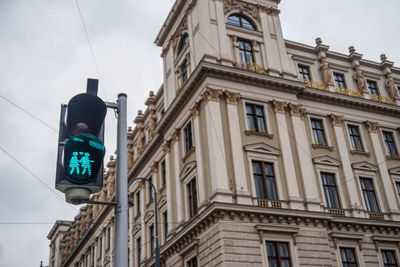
x=137, y=228
x=148, y=216
x=188, y=168
x=395, y=171
x=365, y=166
x=326, y=160
x=262, y=148
x=162, y=201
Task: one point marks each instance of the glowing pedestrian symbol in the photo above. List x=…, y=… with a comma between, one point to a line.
x=84, y=162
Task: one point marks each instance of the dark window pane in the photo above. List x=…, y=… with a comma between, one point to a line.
x=330, y=190
x=245, y=51
x=304, y=72
x=241, y=21
x=339, y=80
x=255, y=117
x=264, y=180
x=389, y=142
x=278, y=254
x=372, y=87
x=348, y=257
x=371, y=204
x=318, y=131
x=355, y=138
x=182, y=43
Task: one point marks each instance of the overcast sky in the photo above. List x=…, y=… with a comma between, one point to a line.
x=45, y=59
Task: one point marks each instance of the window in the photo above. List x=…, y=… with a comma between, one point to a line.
x=367, y=186
x=398, y=188
x=165, y=219
x=372, y=87
x=192, y=262
x=150, y=188
x=348, y=257
x=389, y=142
x=139, y=250
x=318, y=131
x=278, y=254
x=108, y=238
x=339, y=80
x=188, y=137
x=184, y=71
x=192, y=197
x=304, y=72
x=389, y=258
x=330, y=191
x=355, y=138
x=241, y=21
x=137, y=203
x=151, y=234
x=398, y=90
x=163, y=174
x=245, y=51
x=182, y=43
x=100, y=246
x=255, y=118
x=264, y=180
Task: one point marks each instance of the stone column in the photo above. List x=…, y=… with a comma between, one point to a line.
x=222, y=35
x=216, y=149
x=272, y=60
x=242, y=190
x=170, y=192
x=304, y=155
x=195, y=112
x=179, y=203
x=287, y=156
x=390, y=194
x=348, y=180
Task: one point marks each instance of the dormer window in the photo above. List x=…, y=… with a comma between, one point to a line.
x=182, y=43
x=241, y=21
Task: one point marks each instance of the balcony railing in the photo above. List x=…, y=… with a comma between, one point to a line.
x=269, y=203
x=336, y=212
x=376, y=215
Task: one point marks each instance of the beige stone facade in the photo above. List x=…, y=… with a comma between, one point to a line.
x=263, y=151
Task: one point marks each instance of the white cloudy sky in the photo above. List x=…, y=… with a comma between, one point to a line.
x=45, y=60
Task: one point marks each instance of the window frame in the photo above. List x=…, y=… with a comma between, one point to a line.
x=330, y=186
x=337, y=74
x=151, y=240
x=377, y=199
x=266, y=115
x=256, y=117
x=317, y=142
x=395, y=141
x=324, y=125
x=354, y=249
x=285, y=237
x=188, y=264
x=138, y=202
x=370, y=89
x=138, y=250
x=245, y=41
x=361, y=137
x=192, y=202
x=396, y=256
x=264, y=178
x=188, y=144
x=302, y=66
x=163, y=173
x=183, y=42
x=241, y=17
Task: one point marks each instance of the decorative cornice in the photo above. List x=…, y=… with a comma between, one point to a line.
x=297, y=110
x=372, y=126
x=211, y=95
x=336, y=120
x=154, y=167
x=195, y=110
x=279, y=107
x=272, y=11
x=175, y=136
x=232, y=98
x=165, y=147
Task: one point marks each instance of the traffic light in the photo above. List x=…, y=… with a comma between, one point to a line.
x=81, y=149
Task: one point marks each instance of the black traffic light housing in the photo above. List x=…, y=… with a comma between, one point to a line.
x=81, y=145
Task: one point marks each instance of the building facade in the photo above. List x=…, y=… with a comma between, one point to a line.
x=264, y=152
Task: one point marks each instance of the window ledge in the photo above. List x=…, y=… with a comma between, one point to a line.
x=248, y=132
x=393, y=156
x=353, y=151
x=188, y=153
x=324, y=146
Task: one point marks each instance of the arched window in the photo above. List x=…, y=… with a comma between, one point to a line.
x=241, y=21
x=182, y=43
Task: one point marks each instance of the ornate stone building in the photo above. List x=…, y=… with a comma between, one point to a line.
x=264, y=152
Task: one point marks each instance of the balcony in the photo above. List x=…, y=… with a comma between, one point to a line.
x=376, y=215
x=336, y=212
x=269, y=203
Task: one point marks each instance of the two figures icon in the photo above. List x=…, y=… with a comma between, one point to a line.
x=84, y=162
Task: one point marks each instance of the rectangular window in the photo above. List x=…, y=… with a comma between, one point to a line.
x=163, y=174
x=188, y=137
x=255, y=118
x=368, y=191
x=330, y=190
x=278, y=254
x=139, y=250
x=192, y=197
x=108, y=238
x=398, y=188
x=192, y=262
x=137, y=203
x=100, y=246
x=304, y=72
x=389, y=258
x=372, y=87
x=355, y=138
x=264, y=180
x=150, y=189
x=245, y=51
x=151, y=234
x=348, y=257
x=165, y=219
x=184, y=71
x=318, y=131
x=398, y=90
x=389, y=142
x=339, y=80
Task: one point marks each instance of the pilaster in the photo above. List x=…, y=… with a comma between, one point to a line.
x=170, y=192
x=179, y=206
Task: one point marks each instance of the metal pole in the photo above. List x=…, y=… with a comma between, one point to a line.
x=156, y=224
x=121, y=192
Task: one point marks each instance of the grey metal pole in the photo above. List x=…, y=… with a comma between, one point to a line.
x=156, y=224
x=121, y=192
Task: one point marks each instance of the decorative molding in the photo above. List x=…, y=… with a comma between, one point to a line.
x=365, y=166
x=232, y=98
x=154, y=167
x=279, y=107
x=372, y=126
x=262, y=148
x=336, y=120
x=165, y=147
x=326, y=160
x=175, y=136
x=272, y=11
x=236, y=5
x=297, y=110
x=149, y=215
x=394, y=171
x=195, y=110
x=187, y=169
x=211, y=95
